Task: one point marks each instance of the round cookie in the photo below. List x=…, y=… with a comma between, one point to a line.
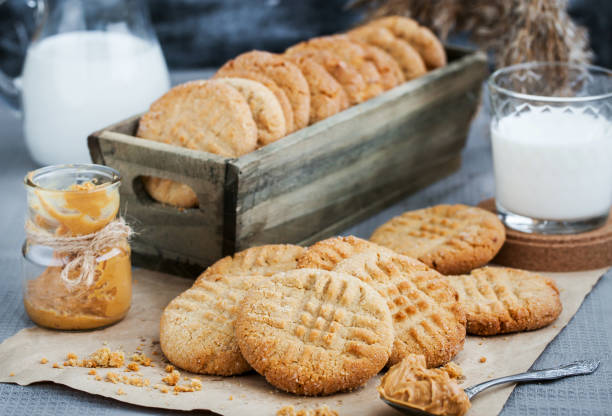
x=327, y=97
x=259, y=260
x=265, y=108
x=427, y=316
x=348, y=51
x=314, y=332
x=406, y=56
x=391, y=74
x=347, y=76
x=285, y=74
x=197, y=327
x=421, y=38
x=453, y=239
x=170, y=192
x=271, y=85
x=326, y=254
x=500, y=300
x=202, y=115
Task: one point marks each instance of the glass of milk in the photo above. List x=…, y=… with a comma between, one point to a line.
x=91, y=63
x=551, y=133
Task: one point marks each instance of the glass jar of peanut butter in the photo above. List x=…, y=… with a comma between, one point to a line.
x=76, y=257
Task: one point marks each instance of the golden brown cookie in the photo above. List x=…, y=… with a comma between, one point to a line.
x=326, y=254
x=453, y=239
x=271, y=85
x=259, y=260
x=314, y=332
x=347, y=76
x=327, y=97
x=427, y=316
x=285, y=74
x=170, y=192
x=421, y=38
x=499, y=300
x=406, y=56
x=197, y=327
x=202, y=115
x=265, y=108
x=390, y=72
x=348, y=51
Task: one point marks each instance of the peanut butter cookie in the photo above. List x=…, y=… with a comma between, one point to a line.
x=391, y=74
x=421, y=38
x=453, y=239
x=499, y=300
x=260, y=261
x=265, y=108
x=170, y=192
x=327, y=97
x=348, y=51
x=202, y=115
x=271, y=85
x=351, y=80
x=427, y=316
x=326, y=254
x=406, y=56
x=285, y=74
x=197, y=327
x=314, y=332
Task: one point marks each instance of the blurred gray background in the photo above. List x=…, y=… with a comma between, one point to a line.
x=206, y=33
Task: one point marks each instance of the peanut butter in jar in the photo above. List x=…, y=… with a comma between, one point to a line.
x=77, y=269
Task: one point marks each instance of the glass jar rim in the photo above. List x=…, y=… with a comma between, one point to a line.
x=112, y=174
x=544, y=98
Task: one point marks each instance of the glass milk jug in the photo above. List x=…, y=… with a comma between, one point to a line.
x=91, y=63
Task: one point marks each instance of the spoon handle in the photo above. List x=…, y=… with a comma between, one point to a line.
x=567, y=370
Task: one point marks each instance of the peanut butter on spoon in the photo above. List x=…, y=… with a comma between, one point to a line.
x=410, y=383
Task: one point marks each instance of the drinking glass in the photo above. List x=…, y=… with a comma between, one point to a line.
x=551, y=133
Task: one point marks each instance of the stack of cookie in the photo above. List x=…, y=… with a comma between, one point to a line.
x=329, y=317
x=259, y=97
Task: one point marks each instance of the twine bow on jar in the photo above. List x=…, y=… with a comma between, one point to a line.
x=82, y=248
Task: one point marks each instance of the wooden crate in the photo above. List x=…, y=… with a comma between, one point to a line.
x=307, y=186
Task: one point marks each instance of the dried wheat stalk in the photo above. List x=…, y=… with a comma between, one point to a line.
x=515, y=30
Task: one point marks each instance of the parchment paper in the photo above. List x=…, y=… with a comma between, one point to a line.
x=250, y=394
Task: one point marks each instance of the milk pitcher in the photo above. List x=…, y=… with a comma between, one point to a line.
x=90, y=63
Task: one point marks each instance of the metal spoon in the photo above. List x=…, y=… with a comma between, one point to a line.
x=573, y=369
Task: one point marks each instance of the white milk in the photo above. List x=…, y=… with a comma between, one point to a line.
x=553, y=165
x=77, y=82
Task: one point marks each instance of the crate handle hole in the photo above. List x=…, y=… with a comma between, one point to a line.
x=166, y=192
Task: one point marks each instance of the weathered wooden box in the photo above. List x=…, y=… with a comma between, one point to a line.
x=307, y=186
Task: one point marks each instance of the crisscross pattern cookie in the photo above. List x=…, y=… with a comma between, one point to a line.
x=326, y=254
x=258, y=261
x=453, y=239
x=314, y=332
x=427, y=316
x=197, y=327
x=501, y=300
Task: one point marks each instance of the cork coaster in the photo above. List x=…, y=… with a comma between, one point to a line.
x=555, y=253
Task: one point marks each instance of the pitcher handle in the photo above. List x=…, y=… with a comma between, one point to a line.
x=10, y=89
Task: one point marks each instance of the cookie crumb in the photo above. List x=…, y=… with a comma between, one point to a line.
x=44, y=361
x=320, y=411
x=56, y=365
x=169, y=368
x=163, y=389
x=92, y=372
x=112, y=378
x=104, y=357
x=133, y=366
x=172, y=378
x=142, y=359
x=121, y=392
x=12, y=375
x=483, y=359
x=453, y=370
x=98, y=378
